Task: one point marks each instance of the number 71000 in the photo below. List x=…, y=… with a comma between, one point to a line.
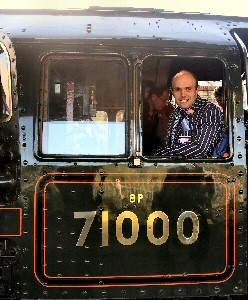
x=90, y=215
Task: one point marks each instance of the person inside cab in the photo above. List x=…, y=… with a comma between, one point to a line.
x=197, y=126
x=156, y=117
x=218, y=96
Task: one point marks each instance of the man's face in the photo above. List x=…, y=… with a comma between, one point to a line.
x=184, y=90
x=159, y=101
x=219, y=100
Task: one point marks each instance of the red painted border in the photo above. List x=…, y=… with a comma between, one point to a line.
x=130, y=277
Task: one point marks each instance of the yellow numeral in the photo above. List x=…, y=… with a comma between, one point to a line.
x=90, y=215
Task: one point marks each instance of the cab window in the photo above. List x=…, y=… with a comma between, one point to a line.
x=83, y=109
x=159, y=103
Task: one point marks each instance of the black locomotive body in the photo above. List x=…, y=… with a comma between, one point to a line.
x=84, y=212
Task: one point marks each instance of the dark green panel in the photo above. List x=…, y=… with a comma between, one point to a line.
x=126, y=249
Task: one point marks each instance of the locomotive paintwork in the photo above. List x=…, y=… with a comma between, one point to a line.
x=96, y=218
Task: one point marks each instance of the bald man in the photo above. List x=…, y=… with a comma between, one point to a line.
x=196, y=126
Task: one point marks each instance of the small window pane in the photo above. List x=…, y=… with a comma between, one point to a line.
x=84, y=107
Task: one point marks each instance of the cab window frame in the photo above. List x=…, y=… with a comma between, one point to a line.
x=227, y=109
x=44, y=102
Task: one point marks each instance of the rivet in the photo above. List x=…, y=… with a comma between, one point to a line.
x=217, y=289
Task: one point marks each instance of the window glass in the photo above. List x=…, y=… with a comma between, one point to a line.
x=84, y=106
x=5, y=86
x=188, y=120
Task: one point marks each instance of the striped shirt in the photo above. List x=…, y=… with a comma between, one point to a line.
x=206, y=125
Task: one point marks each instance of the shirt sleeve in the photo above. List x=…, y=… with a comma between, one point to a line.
x=206, y=133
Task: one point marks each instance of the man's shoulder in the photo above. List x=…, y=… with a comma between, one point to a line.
x=206, y=106
x=209, y=112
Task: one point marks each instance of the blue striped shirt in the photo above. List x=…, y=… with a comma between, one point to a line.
x=206, y=128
